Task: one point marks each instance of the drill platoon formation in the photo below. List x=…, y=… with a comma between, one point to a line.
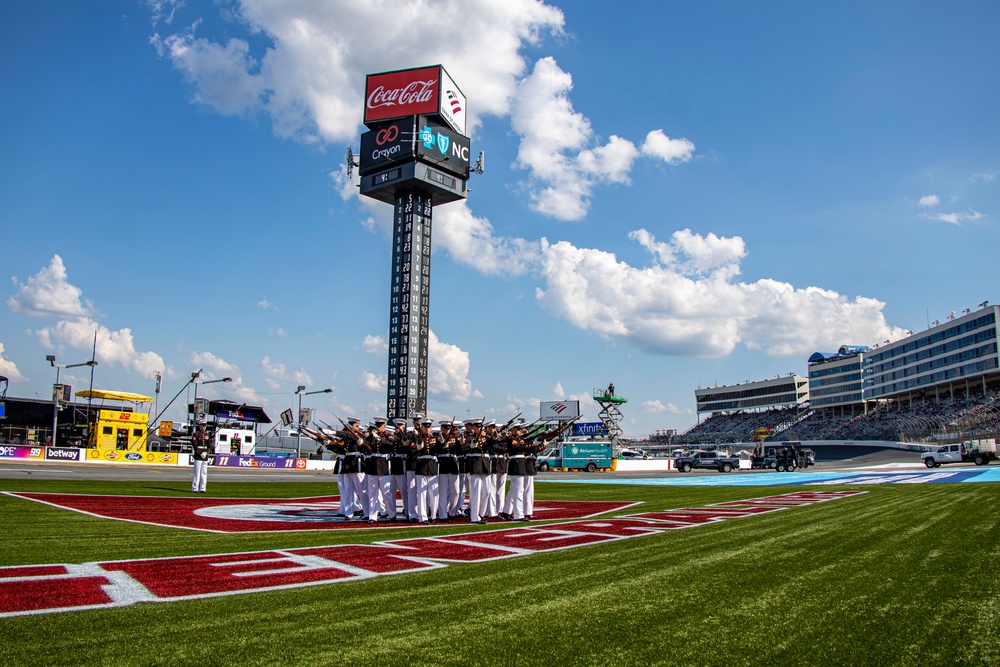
x=435, y=470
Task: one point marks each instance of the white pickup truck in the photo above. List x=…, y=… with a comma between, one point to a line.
x=957, y=453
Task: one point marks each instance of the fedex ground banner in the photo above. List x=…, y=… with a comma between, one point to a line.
x=276, y=462
x=50, y=588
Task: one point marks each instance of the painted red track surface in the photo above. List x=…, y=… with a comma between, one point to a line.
x=254, y=515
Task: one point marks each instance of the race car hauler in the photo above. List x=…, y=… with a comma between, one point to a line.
x=570, y=455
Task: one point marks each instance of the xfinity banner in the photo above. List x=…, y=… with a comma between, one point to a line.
x=589, y=429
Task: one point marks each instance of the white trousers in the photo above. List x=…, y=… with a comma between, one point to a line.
x=427, y=497
x=378, y=492
x=200, y=476
x=515, y=499
x=340, y=490
x=411, y=493
x=354, y=493
x=398, y=484
x=498, y=489
x=478, y=496
x=529, y=495
x=449, y=495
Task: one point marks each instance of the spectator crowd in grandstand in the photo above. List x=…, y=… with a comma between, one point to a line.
x=971, y=413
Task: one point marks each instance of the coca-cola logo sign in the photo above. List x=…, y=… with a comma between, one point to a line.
x=402, y=93
x=414, y=92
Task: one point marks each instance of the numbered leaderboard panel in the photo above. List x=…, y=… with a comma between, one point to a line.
x=409, y=305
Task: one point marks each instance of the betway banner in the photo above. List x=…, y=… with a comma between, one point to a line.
x=411, y=92
x=62, y=454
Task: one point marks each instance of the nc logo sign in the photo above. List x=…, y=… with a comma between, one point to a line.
x=443, y=142
x=432, y=138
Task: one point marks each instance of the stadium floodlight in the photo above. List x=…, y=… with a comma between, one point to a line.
x=301, y=391
x=55, y=399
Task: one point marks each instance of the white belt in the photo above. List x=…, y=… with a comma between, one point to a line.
x=517, y=456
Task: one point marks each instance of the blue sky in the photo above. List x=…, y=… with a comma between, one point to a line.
x=677, y=194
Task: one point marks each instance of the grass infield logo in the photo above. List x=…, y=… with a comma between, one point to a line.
x=44, y=589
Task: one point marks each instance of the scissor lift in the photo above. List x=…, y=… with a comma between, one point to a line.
x=610, y=414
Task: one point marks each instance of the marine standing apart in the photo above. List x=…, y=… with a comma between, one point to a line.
x=202, y=445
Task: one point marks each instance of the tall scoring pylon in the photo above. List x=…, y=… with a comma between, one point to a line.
x=415, y=156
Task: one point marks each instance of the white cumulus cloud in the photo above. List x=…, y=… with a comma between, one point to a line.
x=671, y=151
x=221, y=74
x=310, y=77
x=657, y=407
x=372, y=382
x=9, y=369
x=557, y=146
x=661, y=310
x=49, y=293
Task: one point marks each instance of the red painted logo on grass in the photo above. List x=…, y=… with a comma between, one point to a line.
x=256, y=515
x=39, y=589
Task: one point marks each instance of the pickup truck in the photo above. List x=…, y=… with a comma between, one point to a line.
x=957, y=453
x=708, y=460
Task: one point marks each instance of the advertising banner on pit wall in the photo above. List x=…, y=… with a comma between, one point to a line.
x=115, y=456
x=21, y=452
x=259, y=462
x=62, y=454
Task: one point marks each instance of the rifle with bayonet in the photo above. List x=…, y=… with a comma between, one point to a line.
x=509, y=422
x=331, y=444
x=545, y=436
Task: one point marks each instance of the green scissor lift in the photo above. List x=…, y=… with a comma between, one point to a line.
x=610, y=414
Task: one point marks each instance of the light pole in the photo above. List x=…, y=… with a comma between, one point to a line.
x=301, y=391
x=55, y=399
x=194, y=381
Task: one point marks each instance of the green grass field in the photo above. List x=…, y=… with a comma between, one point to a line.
x=902, y=575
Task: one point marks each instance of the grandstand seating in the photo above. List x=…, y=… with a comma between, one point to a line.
x=916, y=419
